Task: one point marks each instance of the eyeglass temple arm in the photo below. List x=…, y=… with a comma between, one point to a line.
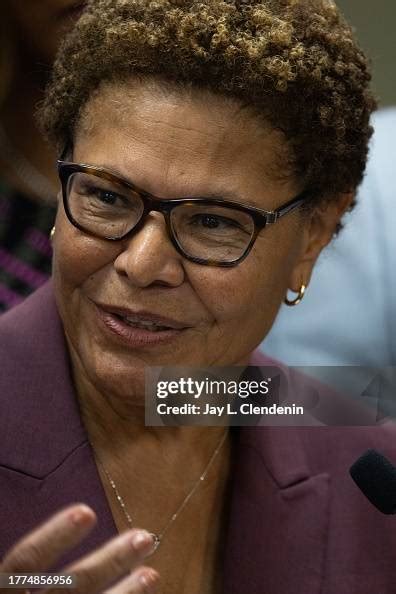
x=292, y=205
x=68, y=148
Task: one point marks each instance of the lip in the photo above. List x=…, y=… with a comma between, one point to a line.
x=137, y=337
x=144, y=316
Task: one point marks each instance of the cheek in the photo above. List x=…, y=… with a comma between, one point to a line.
x=250, y=293
x=78, y=259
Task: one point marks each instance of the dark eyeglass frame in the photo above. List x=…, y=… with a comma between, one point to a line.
x=261, y=218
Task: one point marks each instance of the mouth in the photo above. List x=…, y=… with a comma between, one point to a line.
x=146, y=319
x=139, y=329
x=142, y=323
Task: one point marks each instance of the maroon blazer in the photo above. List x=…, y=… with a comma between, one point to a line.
x=297, y=522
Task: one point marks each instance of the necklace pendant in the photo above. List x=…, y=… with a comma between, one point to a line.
x=157, y=541
x=158, y=538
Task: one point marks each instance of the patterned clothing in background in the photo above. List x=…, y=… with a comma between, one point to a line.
x=25, y=248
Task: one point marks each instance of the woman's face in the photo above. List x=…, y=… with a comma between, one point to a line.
x=174, y=145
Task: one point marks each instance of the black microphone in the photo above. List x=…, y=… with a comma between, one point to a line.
x=376, y=477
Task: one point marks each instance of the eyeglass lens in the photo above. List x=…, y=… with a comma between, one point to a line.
x=110, y=210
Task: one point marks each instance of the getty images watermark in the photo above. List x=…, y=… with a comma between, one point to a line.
x=205, y=393
x=269, y=395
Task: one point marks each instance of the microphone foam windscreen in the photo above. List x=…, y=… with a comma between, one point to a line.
x=376, y=477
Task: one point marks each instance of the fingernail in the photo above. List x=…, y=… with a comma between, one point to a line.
x=142, y=540
x=80, y=516
x=148, y=580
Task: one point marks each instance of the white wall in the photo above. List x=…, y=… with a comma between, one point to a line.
x=375, y=24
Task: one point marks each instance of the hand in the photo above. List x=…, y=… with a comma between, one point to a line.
x=37, y=551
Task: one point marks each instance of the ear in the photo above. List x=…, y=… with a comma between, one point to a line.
x=318, y=232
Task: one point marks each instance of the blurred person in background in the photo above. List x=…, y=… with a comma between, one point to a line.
x=30, y=32
x=348, y=313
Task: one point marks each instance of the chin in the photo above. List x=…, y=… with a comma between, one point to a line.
x=110, y=375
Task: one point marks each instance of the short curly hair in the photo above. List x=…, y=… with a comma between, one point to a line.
x=294, y=62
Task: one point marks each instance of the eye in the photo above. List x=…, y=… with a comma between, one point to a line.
x=211, y=221
x=106, y=196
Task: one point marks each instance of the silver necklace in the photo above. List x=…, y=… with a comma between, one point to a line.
x=26, y=171
x=158, y=537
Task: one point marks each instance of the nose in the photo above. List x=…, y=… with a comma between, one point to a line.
x=148, y=257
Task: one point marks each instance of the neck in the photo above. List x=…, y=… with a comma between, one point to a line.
x=102, y=418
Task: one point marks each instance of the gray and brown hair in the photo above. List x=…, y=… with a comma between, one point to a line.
x=294, y=62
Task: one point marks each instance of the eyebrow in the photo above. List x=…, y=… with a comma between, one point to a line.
x=226, y=196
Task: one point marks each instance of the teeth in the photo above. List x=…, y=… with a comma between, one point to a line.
x=146, y=325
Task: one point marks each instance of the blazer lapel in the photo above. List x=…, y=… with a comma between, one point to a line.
x=279, y=516
x=51, y=464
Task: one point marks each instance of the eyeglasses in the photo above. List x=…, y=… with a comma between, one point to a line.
x=207, y=231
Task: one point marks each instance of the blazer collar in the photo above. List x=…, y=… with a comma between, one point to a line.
x=41, y=407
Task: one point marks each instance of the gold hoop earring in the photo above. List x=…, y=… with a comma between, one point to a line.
x=52, y=233
x=298, y=299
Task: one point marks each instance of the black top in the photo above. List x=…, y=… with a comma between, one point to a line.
x=25, y=248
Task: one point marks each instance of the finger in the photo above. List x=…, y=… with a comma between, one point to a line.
x=111, y=561
x=141, y=581
x=42, y=547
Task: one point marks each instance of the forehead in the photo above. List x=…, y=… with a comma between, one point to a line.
x=174, y=142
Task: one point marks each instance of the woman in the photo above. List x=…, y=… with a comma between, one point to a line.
x=184, y=126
